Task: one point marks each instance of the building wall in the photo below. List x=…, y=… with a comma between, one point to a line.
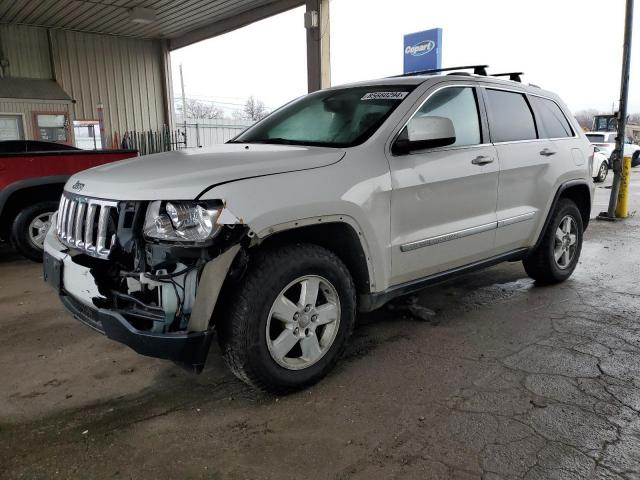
x=124, y=74
x=27, y=49
x=27, y=107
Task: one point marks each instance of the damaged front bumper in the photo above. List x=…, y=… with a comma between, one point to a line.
x=188, y=349
x=81, y=296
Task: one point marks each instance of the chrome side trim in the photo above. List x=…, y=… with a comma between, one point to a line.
x=407, y=247
x=516, y=219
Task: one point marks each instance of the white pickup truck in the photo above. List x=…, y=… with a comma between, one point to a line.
x=337, y=202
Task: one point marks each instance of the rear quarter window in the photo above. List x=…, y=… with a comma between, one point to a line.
x=554, y=123
x=510, y=117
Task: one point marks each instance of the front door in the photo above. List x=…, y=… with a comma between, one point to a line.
x=443, y=202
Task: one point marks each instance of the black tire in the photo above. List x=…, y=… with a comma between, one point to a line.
x=602, y=173
x=541, y=264
x=20, y=237
x=242, y=332
x=635, y=158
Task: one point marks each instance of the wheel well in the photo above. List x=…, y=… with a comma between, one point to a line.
x=24, y=198
x=581, y=196
x=339, y=238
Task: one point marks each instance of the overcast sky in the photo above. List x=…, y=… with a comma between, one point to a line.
x=572, y=47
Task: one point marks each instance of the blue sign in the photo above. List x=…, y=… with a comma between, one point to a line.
x=423, y=51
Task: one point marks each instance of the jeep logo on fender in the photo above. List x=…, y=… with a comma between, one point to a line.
x=78, y=186
x=420, y=48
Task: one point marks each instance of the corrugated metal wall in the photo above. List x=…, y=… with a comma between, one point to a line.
x=123, y=74
x=27, y=50
x=27, y=109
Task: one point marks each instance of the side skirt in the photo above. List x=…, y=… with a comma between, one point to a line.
x=372, y=301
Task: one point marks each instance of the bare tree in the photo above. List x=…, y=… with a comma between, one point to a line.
x=585, y=117
x=197, y=109
x=634, y=119
x=254, y=109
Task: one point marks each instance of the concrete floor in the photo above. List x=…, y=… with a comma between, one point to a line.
x=511, y=380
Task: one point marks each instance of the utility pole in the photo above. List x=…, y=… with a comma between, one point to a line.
x=184, y=107
x=618, y=153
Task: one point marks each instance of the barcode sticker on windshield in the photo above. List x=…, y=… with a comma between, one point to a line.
x=385, y=96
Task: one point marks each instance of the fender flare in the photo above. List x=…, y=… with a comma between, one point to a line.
x=14, y=187
x=348, y=220
x=563, y=186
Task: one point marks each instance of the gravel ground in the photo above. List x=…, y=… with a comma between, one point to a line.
x=508, y=380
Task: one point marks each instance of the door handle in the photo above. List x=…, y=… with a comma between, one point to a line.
x=547, y=153
x=481, y=160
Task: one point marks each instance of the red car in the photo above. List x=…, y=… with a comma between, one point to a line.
x=32, y=174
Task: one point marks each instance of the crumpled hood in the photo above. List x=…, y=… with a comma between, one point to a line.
x=183, y=174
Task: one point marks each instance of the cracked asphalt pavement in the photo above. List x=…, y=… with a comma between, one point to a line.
x=508, y=380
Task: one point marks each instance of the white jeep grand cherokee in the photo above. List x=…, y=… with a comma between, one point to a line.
x=337, y=202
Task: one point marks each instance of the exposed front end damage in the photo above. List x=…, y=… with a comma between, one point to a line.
x=156, y=297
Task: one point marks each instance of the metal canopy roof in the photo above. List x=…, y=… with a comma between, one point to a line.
x=181, y=21
x=32, y=88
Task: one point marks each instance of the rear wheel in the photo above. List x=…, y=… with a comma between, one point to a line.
x=635, y=159
x=290, y=319
x=30, y=227
x=555, y=259
x=602, y=173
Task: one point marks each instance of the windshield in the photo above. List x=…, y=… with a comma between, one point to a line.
x=329, y=118
x=595, y=138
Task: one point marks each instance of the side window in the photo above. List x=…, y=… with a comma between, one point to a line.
x=460, y=106
x=554, y=122
x=52, y=127
x=510, y=117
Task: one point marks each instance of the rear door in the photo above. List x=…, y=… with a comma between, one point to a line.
x=526, y=182
x=444, y=199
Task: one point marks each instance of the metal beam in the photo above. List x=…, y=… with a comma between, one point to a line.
x=318, y=45
x=233, y=23
x=167, y=84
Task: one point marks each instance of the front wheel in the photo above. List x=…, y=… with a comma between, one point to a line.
x=30, y=227
x=635, y=158
x=555, y=259
x=602, y=173
x=290, y=319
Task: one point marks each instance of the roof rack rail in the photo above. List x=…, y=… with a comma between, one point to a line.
x=477, y=70
x=514, y=76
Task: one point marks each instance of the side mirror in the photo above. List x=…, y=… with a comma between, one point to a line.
x=425, y=132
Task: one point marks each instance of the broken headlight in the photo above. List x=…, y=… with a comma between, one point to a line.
x=182, y=221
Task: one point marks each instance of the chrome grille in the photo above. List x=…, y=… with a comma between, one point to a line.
x=86, y=224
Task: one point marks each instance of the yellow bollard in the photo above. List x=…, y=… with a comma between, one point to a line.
x=622, y=208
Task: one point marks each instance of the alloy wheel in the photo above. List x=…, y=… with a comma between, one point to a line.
x=303, y=322
x=566, y=242
x=38, y=228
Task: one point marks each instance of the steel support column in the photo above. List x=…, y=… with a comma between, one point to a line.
x=318, y=45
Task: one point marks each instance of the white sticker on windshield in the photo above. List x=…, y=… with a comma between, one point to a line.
x=385, y=96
